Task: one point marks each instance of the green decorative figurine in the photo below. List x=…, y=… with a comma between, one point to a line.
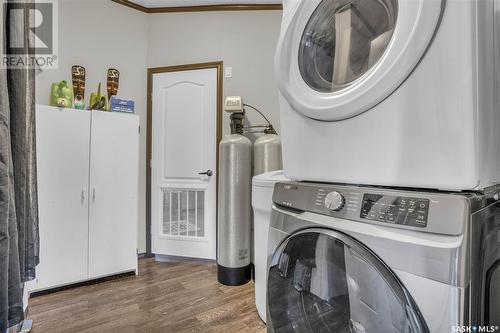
x=61, y=95
x=97, y=100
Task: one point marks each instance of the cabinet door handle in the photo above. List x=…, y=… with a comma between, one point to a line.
x=93, y=194
x=83, y=195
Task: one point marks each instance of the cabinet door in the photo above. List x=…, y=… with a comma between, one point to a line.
x=114, y=178
x=63, y=142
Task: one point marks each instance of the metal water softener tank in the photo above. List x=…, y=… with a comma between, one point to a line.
x=234, y=213
x=267, y=154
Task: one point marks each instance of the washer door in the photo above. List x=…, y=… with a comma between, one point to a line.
x=324, y=281
x=339, y=58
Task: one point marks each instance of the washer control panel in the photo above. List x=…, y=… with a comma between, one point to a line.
x=394, y=209
x=426, y=211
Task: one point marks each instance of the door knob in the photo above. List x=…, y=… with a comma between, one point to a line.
x=208, y=173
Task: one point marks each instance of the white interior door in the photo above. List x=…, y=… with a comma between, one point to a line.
x=63, y=140
x=114, y=184
x=184, y=145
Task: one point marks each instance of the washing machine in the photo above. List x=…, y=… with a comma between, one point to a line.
x=390, y=92
x=361, y=259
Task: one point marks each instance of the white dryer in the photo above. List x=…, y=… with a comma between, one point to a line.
x=390, y=92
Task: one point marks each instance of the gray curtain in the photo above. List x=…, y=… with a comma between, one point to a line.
x=19, y=243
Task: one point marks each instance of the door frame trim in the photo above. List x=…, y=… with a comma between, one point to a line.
x=219, y=65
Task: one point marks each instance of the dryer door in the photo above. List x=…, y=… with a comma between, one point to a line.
x=324, y=281
x=339, y=58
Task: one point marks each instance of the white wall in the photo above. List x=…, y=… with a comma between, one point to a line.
x=99, y=34
x=244, y=40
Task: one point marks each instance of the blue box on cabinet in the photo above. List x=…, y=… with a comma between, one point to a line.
x=122, y=105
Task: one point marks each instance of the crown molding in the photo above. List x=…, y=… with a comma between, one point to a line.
x=205, y=8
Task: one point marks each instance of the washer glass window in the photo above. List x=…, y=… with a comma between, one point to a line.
x=325, y=283
x=343, y=40
x=493, y=296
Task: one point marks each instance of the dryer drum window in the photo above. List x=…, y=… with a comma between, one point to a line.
x=320, y=282
x=343, y=40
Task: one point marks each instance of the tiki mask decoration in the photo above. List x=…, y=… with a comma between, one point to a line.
x=78, y=76
x=113, y=81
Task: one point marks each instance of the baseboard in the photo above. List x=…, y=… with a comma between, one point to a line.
x=164, y=258
x=81, y=284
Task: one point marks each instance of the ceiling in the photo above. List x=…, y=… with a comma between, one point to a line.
x=185, y=3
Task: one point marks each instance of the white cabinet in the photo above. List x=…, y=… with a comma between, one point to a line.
x=88, y=174
x=63, y=147
x=114, y=183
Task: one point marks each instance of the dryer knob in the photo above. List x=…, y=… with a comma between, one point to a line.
x=334, y=201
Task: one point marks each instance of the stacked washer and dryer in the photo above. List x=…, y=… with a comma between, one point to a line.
x=391, y=132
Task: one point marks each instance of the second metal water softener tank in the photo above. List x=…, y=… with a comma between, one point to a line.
x=234, y=213
x=267, y=154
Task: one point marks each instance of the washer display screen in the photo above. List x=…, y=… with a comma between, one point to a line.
x=396, y=210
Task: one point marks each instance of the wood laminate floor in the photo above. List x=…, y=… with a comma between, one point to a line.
x=166, y=297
